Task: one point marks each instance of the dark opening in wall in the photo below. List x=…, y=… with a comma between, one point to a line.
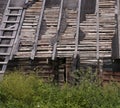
x=58, y=69
x=50, y=3
x=116, y=65
x=88, y=7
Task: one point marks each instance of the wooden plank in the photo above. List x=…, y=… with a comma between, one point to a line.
x=33, y=52
x=97, y=35
x=14, y=8
x=118, y=27
x=58, y=30
x=78, y=29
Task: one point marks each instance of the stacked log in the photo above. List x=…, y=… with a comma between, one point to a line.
x=28, y=30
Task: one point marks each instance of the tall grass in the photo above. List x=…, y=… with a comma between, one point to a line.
x=19, y=91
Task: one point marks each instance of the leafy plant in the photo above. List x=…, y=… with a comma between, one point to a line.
x=20, y=91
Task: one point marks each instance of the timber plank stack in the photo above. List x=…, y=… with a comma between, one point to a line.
x=48, y=31
x=107, y=27
x=28, y=30
x=106, y=33
x=66, y=43
x=88, y=36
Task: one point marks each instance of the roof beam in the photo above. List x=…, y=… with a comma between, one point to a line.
x=78, y=29
x=118, y=26
x=58, y=30
x=97, y=29
x=33, y=52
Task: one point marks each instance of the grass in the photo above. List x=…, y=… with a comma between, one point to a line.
x=20, y=91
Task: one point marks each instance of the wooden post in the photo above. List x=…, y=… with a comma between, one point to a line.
x=58, y=30
x=33, y=52
x=67, y=69
x=97, y=34
x=118, y=26
x=55, y=69
x=77, y=29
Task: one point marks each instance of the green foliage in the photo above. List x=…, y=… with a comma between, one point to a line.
x=83, y=75
x=19, y=91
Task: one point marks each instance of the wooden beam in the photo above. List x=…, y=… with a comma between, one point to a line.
x=33, y=52
x=16, y=42
x=76, y=54
x=58, y=30
x=118, y=26
x=97, y=29
x=78, y=29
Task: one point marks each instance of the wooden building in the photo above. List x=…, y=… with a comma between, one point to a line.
x=55, y=37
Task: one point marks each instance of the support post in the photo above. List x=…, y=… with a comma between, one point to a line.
x=118, y=26
x=58, y=30
x=33, y=52
x=97, y=34
x=78, y=29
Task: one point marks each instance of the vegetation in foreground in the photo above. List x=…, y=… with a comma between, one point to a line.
x=19, y=91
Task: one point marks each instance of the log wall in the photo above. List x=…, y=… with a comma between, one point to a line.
x=54, y=71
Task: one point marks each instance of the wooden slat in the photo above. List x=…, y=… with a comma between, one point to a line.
x=7, y=37
x=3, y=63
x=14, y=8
x=4, y=54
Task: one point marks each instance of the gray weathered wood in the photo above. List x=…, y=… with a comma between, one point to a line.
x=77, y=29
x=97, y=28
x=58, y=30
x=11, y=28
x=16, y=42
x=33, y=52
x=118, y=27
